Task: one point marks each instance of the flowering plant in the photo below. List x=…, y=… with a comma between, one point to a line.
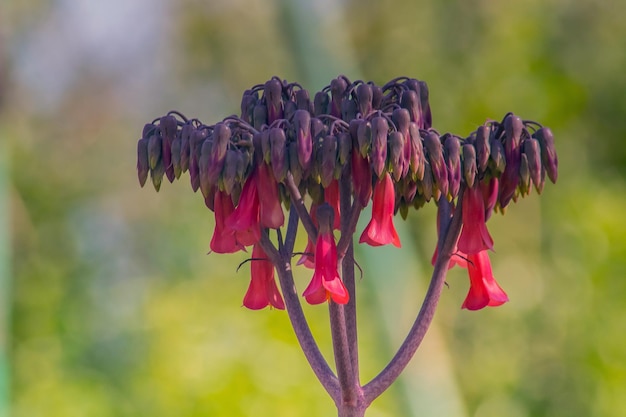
x=355, y=142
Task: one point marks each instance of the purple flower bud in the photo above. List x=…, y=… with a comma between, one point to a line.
x=496, y=156
x=328, y=160
x=304, y=140
x=259, y=116
x=320, y=103
x=364, y=137
x=148, y=130
x=248, y=101
x=156, y=175
x=294, y=163
x=266, y=148
x=349, y=109
x=204, y=166
x=396, y=154
x=364, y=96
x=453, y=162
x=427, y=118
x=469, y=164
x=434, y=150
x=195, y=150
x=532, y=150
x=378, y=153
x=220, y=140
x=513, y=127
x=402, y=120
x=377, y=96
x=410, y=101
x=426, y=185
x=154, y=150
x=483, y=147
x=273, y=94
x=548, y=152
x=416, y=162
x=229, y=174
x=318, y=130
x=186, y=133
x=524, y=176
x=338, y=87
x=303, y=101
x=168, y=126
x=279, y=162
x=142, y=161
x=344, y=147
x=176, y=145
x=509, y=180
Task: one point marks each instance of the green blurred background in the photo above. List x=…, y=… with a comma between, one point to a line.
x=109, y=305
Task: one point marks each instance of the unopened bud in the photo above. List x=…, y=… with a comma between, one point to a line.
x=290, y=109
x=513, y=127
x=433, y=146
x=273, y=94
x=229, y=174
x=304, y=140
x=185, y=140
x=548, y=152
x=156, y=174
x=469, y=164
x=344, y=147
x=532, y=150
x=279, y=156
x=176, y=145
x=154, y=150
x=248, y=101
x=148, y=130
x=427, y=118
x=483, y=147
x=377, y=96
x=410, y=101
x=524, y=176
x=453, y=163
x=416, y=163
x=349, y=109
x=328, y=160
x=204, y=166
x=496, y=156
x=378, y=153
x=303, y=101
x=294, y=164
x=142, y=161
x=364, y=96
x=364, y=137
x=426, y=185
x=321, y=101
x=396, y=154
x=338, y=87
x=361, y=178
x=168, y=125
x=195, y=150
x=259, y=116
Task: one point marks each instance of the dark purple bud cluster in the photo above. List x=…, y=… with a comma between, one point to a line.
x=358, y=129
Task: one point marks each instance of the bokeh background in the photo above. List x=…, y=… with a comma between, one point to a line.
x=109, y=305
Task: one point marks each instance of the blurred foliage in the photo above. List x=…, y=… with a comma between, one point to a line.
x=116, y=312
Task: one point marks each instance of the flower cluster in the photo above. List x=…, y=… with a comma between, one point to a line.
x=379, y=137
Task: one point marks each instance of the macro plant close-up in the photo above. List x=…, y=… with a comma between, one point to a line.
x=326, y=159
x=292, y=209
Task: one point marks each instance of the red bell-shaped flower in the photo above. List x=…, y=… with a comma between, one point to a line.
x=474, y=236
x=484, y=290
x=244, y=221
x=380, y=230
x=262, y=290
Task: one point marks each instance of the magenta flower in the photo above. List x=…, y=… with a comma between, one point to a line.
x=484, y=290
x=245, y=219
x=326, y=282
x=474, y=236
x=262, y=290
x=224, y=239
x=270, y=211
x=380, y=230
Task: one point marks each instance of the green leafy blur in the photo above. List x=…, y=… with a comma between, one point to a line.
x=113, y=308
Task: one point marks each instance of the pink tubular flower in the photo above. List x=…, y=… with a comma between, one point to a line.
x=484, y=290
x=223, y=240
x=270, y=212
x=262, y=290
x=326, y=282
x=245, y=219
x=380, y=230
x=474, y=235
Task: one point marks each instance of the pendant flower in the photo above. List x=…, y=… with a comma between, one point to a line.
x=262, y=290
x=224, y=240
x=484, y=290
x=474, y=236
x=244, y=220
x=326, y=282
x=380, y=230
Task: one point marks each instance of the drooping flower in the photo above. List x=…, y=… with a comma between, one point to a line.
x=380, y=230
x=270, y=211
x=484, y=290
x=262, y=290
x=326, y=282
x=474, y=236
x=245, y=219
x=223, y=240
